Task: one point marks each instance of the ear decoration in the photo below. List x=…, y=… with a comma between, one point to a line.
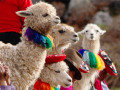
x=24, y=13
x=102, y=32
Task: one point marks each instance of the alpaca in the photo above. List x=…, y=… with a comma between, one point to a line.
x=56, y=73
x=91, y=41
x=26, y=59
x=64, y=35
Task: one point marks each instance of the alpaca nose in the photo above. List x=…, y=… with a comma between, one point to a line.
x=69, y=80
x=57, y=18
x=75, y=35
x=91, y=34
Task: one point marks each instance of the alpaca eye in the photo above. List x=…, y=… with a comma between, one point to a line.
x=87, y=31
x=45, y=15
x=57, y=71
x=97, y=31
x=61, y=31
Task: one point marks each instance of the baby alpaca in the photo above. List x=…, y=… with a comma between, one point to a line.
x=91, y=41
x=27, y=58
x=56, y=74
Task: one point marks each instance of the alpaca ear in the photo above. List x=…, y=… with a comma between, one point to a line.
x=24, y=13
x=81, y=32
x=102, y=32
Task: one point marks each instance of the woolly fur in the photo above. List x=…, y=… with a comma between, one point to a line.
x=48, y=74
x=27, y=59
x=61, y=40
x=93, y=45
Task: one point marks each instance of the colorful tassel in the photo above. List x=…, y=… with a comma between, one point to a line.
x=48, y=42
x=39, y=85
x=81, y=51
x=95, y=61
x=38, y=38
x=57, y=88
x=86, y=57
x=52, y=88
x=92, y=59
x=51, y=38
x=100, y=63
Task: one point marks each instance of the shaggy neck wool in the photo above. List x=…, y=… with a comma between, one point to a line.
x=37, y=38
x=39, y=85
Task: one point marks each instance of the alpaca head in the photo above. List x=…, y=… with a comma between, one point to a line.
x=40, y=17
x=63, y=35
x=56, y=74
x=92, y=32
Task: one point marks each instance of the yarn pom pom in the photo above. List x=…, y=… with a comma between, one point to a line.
x=93, y=61
x=100, y=63
x=38, y=38
x=48, y=42
x=81, y=51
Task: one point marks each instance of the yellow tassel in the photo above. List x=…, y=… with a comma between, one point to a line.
x=51, y=38
x=52, y=88
x=100, y=63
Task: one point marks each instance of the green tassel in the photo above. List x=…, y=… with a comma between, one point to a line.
x=48, y=43
x=57, y=89
x=93, y=61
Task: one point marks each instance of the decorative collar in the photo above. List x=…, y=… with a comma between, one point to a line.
x=38, y=38
x=39, y=85
x=109, y=66
x=93, y=60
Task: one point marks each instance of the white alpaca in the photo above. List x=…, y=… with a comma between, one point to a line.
x=91, y=41
x=56, y=73
x=27, y=59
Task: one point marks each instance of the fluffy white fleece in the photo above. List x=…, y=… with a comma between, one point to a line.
x=91, y=41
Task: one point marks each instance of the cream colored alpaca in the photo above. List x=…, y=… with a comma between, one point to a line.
x=27, y=59
x=64, y=35
x=56, y=73
x=91, y=41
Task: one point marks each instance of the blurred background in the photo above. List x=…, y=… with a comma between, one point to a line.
x=104, y=13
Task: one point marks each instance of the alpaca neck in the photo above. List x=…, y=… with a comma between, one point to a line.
x=58, y=48
x=91, y=45
x=35, y=53
x=87, y=80
x=31, y=49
